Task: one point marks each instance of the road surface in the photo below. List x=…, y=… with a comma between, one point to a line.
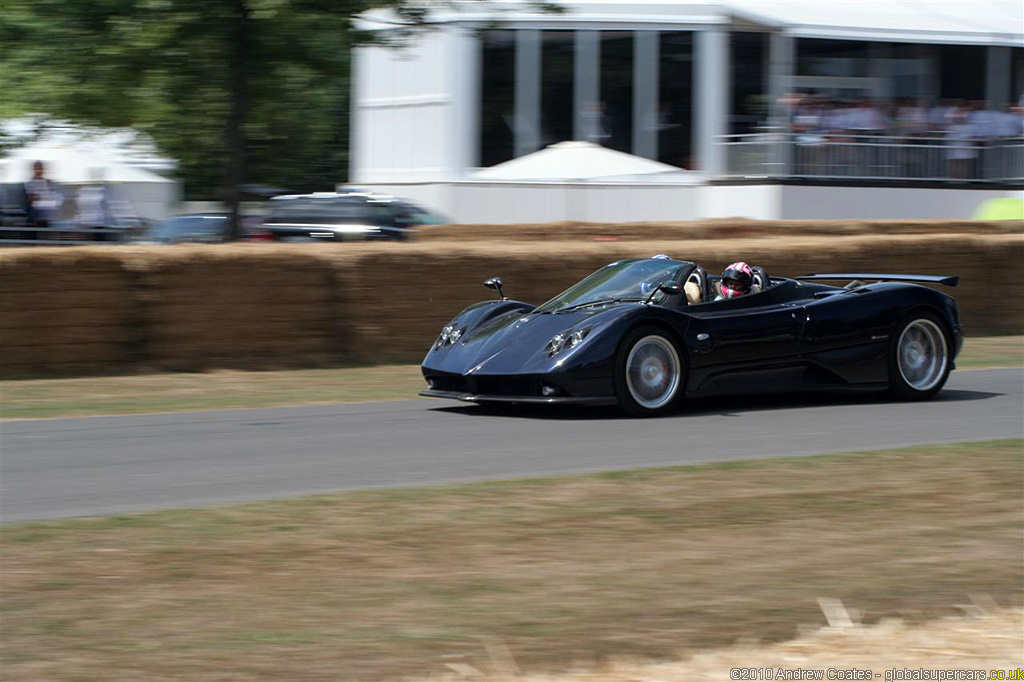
x=104, y=465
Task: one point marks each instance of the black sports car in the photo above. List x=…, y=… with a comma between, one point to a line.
x=640, y=333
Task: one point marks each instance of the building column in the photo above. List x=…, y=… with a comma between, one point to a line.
x=527, y=92
x=467, y=56
x=586, y=83
x=781, y=69
x=645, y=94
x=997, y=77
x=711, y=100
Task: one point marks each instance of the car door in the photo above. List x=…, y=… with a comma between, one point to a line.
x=762, y=326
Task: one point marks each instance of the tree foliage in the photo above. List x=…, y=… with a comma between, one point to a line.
x=166, y=67
x=236, y=91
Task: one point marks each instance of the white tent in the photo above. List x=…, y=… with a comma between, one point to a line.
x=573, y=161
x=71, y=167
x=150, y=195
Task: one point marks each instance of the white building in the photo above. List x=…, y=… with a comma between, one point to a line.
x=672, y=81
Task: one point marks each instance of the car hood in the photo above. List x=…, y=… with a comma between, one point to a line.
x=516, y=342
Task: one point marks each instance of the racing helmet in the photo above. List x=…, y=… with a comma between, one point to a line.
x=737, y=280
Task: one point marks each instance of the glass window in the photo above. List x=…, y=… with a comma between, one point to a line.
x=749, y=52
x=556, y=95
x=962, y=72
x=612, y=117
x=843, y=58
x=627, y=279
x=675, y=97
x=1017, y=76
x=497, y=94
x=327, y=212
x=908, y=69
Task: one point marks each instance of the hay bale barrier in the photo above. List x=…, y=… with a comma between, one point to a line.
x=445, y=277
x=236, y=307
x=120, y=309
x=717, y=228
x=64, y=311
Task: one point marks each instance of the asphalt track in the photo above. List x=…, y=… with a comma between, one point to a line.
x=104, y=465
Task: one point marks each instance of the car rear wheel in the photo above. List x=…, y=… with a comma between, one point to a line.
x=648, y=372
x=919, y=357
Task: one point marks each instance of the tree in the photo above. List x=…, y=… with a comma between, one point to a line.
x=235, y=90
x=232, y=89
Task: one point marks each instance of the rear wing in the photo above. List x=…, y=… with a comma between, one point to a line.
x=876, y=277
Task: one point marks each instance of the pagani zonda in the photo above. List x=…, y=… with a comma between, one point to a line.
x=641, y=333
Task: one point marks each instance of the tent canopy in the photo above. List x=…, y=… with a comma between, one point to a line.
x=68, y=166
x=981, y=22
x=573, y=161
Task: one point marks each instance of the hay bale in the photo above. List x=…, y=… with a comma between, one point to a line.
x=261, y=306
x=719, y=228
x=63, y=307
x=399, y=328
x=51, y=355
x=205, y=304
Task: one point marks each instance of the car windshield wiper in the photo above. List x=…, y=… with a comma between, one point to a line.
x=600, y=301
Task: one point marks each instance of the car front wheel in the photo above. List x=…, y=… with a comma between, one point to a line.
x=648, y=373
x=919, y=357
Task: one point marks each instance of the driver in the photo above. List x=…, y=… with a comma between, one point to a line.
x=737, y=280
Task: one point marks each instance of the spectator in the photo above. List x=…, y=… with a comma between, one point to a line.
x=42, y=199
x=962, y=153
x=866, y=119
x=942, y=115
x=1010, y=122
x=93, y=205
x=983, y=120
x=911, y=119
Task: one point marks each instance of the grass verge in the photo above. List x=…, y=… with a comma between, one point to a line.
x=40, y=398
x=385, y=584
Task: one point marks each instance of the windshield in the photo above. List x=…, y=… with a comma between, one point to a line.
x=628, y=279
x=326, y=212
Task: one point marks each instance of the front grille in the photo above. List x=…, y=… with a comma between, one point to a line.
x=484, y=385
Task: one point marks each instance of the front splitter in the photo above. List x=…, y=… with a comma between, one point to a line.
x=526, y=400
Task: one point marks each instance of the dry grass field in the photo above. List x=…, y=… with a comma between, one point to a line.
x=989, y=638
x=647, y=564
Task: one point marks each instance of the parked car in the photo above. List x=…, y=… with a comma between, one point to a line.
x=193, y=227
x=353, y=216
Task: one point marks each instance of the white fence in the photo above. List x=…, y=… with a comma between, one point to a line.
x=869, y=157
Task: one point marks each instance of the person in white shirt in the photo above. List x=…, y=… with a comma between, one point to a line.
x=983, y=120
x=42, y=199
x=1010, y=122
x=963, y=151
x=92, y=204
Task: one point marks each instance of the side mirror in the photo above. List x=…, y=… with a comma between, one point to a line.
x=496, y=284
x=670, y=288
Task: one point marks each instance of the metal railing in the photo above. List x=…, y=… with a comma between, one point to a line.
x=871, y=157
x=60, y=234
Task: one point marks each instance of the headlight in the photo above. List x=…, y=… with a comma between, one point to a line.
x=576, y=337
x=555, y=344
x=449, y=335
x=566, y=340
